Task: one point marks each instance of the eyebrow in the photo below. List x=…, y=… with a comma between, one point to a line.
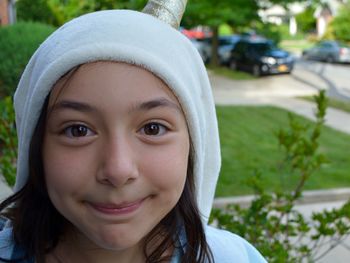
x=144, y=106
x=159, y=102
x=74, y=105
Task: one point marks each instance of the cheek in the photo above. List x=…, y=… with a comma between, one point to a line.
x=64, y=170
x=167, y=167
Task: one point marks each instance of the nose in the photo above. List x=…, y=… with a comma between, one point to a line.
x=118, y=165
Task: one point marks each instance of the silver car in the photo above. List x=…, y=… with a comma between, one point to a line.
x=225, y=46
x=203, y=47
x=329, y=51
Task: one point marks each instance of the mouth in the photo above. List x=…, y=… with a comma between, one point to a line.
x=117, y=209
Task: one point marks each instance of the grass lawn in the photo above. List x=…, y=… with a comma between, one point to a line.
x=248, y=143
x=229, y=73
x=295, y=45
x=337, y=104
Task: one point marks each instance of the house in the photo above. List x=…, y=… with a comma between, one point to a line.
x=325, y=12
x=7, y=12
x=279, y=15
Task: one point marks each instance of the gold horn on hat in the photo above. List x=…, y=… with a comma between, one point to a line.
x=169, y=11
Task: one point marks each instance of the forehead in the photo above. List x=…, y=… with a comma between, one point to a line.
x=103, y=78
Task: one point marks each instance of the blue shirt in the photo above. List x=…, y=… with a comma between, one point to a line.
x=225, y=246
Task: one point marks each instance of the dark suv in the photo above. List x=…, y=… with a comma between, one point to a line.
x=261, y=57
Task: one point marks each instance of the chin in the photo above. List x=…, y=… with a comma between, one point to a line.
x=117, y=241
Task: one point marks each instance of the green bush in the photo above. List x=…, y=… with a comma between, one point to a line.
x=57, y=12
x=271, y=222
x=17, y=44
x=270, y=31
x=278, y=32
x=341, y=24
x=35, y=10
x=63, y=12
x=8, y=141
x=306, y=20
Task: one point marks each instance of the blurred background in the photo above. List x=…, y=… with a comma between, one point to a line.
x=266, y=61
x=272, y=35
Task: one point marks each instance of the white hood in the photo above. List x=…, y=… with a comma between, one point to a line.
x=135, y=38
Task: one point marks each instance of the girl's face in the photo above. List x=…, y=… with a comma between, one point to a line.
x=115, y=153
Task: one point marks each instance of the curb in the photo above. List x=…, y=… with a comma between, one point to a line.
x=309, y=197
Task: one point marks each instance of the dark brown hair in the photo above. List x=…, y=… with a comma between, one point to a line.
x=38, y=226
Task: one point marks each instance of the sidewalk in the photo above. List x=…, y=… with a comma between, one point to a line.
x=309, y=198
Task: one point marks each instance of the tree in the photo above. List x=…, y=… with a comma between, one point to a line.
x=306, y=20
x=237, y=13
x=57, y=12
x=341, y=23
x=213, y=14
x=35, y=10
x=64, y=11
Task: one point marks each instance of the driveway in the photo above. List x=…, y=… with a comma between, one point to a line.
x=283, y=91
x=333, y=77
x=307, y=78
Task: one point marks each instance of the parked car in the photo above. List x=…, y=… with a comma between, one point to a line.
x=261, y=57
x=204, y=49
x=225, y=46
x=329, y=51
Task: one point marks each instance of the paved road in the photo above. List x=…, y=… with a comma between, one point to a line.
x=332, y=77
x=307, y=78
x=281, y=91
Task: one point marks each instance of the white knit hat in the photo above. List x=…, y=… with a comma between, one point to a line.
x=135, y=38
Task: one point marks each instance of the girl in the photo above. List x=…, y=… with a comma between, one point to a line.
x=118, y=148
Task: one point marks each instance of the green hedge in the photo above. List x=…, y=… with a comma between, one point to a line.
x=17, y=44
x=340, y=25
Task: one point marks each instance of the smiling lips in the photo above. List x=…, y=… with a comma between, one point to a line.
x=120, y=209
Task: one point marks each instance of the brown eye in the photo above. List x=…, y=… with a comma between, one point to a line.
x=77, y=131
x=154, y=129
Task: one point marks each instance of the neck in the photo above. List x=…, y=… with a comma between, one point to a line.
x=75, y=247
x=71, y=250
